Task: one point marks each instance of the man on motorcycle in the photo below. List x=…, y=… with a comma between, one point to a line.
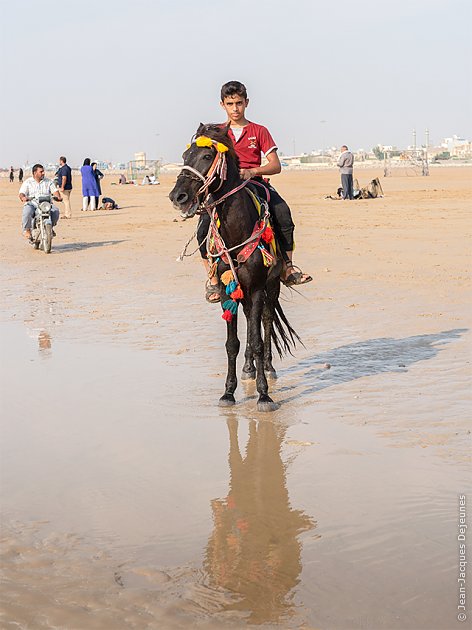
x=37, y=186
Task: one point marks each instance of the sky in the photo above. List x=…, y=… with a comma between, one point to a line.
x=108, y=78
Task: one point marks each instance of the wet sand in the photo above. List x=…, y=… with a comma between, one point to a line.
x=130, y=500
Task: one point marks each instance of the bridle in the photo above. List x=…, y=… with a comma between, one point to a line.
x=218, y=169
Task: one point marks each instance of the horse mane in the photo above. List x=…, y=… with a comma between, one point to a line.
x=219, y=133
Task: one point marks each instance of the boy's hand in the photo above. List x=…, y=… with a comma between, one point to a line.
x=248, y=173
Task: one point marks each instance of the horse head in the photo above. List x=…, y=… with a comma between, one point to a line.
x=205, y=168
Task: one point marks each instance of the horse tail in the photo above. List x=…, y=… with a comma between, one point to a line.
x=283, y=335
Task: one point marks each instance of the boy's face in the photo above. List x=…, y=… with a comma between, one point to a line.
x=235, y=106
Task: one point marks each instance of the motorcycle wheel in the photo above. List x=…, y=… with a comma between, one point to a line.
x=47, y=241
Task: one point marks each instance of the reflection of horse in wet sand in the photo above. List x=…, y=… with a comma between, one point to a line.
x=254, y=551
x=249, y=272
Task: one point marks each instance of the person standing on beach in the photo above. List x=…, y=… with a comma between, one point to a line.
x=89, y=186
x=64, y=175
x=98, y=176
x=20, y=175
x=12, y=175
x=345, y=164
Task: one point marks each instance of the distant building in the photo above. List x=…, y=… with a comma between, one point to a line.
x=463, y=150
x=140, y=159
x=455, y=145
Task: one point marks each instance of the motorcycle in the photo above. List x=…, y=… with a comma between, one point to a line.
x=42, y=232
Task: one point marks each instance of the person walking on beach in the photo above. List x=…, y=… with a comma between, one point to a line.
x=64, y=177
x=89, y=186
x=345, y=164
x=20, y=175
x=98, y=176
x=12, y=175
x=250, y=140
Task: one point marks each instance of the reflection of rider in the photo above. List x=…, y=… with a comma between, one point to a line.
x=44, y=341
x=253, y=550
x=34, y=187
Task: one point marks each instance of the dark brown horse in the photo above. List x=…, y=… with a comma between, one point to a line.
x=210, y=182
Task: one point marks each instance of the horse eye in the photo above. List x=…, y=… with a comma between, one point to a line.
x=208, y=156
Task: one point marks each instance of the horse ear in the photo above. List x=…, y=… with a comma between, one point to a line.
x=200, y=129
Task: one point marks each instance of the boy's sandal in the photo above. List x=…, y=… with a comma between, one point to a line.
x=212, y=293
x=296, y=278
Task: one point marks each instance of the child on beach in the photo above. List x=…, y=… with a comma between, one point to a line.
x=250, y=140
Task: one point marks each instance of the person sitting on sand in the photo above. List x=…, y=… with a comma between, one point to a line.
x=109, y=204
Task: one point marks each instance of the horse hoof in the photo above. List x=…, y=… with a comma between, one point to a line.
x=227, y=400
x=267, y=405
x=271, y=374
x=248, y=376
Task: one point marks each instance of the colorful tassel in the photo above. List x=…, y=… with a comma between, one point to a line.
x=231, y=305
x=203, y=141
x=234, y=290
x=267, y=235
x=231, y=286
x=237, y=294
x=227, y=276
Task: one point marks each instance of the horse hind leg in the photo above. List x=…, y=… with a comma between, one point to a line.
x=249, y=369
x=267, y=322
x=232, y=351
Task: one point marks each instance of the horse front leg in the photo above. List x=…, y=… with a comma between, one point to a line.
x=232, y=351
x=265, y=402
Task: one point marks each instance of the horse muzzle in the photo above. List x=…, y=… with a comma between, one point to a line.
x=189, y=211
x=181, y=202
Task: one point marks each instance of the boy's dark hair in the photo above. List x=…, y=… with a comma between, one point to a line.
x=36, y=167
x=231, y=88
x=62, y=159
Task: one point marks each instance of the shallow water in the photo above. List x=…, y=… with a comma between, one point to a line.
x=130, y=500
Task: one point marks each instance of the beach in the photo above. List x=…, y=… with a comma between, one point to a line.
x=131, y=500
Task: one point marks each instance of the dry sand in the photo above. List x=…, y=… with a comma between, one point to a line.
x=130, y=500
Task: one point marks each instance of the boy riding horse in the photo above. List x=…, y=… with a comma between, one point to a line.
x=250, y=140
